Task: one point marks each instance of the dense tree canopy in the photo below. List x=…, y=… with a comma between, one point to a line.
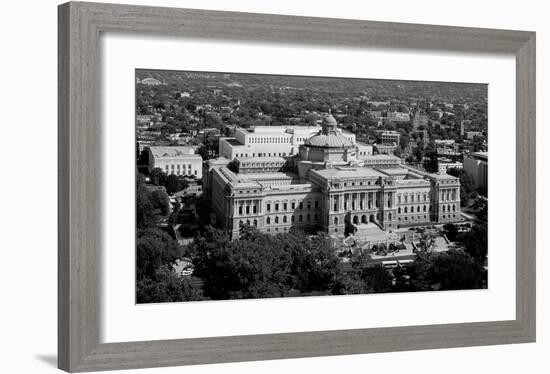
x=263, y=265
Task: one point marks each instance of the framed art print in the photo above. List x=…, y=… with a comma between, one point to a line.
x=238, y=186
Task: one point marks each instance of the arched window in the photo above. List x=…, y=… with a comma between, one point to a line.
x=284, y=219
x=255, y=223
x=300, y=218
x=276, y=219
x=268, y=220
x=335, y=220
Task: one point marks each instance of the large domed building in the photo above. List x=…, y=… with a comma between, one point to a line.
x=327, y=149
x=328, y=185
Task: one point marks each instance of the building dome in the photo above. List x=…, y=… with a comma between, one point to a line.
x=329, y=141
x=329, y=137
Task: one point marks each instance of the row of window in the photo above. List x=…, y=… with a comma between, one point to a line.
x=286, y=219
x=179, y=169
x=448, y=208
x=411, y=210
x=264, y=154
x=284, y=206
x=359, y=206
x=247, y=209
x=411, y=196
x=269, y=140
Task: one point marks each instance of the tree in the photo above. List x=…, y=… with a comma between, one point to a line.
x=475, y=242
x=466, y=184
x=154, y=248
x=166, y=286
x=456, y=270
x=261, y=265
x=175, y=184
x=404, y=141
x=451, y=231
x=158, y=177
x=431, y=164
x=377, y=278
x=160, y=200
x=144, y=209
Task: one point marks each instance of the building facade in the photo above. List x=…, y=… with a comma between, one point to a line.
x=476, y=164
x=325, y=186
x=178, y=160
x=390, y=137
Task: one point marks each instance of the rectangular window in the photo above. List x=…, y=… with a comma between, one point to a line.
x=293, y=206
x=285, y=206
x=240, y=210
x=276, y=207
x=316, y=204
x=268, y=207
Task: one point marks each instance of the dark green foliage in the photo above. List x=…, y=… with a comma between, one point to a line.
x=377, y=278
x=431, y=164
x=451, y=231
x=166, y=286
x=456, y=270
x=466, y=184
x=175, y=184
x=148, y=203
x=154, y=248
x=451, y=270
x=475, y=242
x=158, y=177
x=160, y=200
x=261, y=265
x=144, y=209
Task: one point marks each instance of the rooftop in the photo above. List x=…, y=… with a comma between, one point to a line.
x=173, y=151
x=481, y=155
x=348, y=172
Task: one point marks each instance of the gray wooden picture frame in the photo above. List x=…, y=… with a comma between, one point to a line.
x=80, y=26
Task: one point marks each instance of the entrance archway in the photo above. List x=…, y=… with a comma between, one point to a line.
x=364, y=219
x=371, y=218
x=355, y=220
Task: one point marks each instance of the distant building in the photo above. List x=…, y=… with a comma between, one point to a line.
x=399, y=117
x=420, y=120
x=151, y=82
x=364, y=150
x=445, y=166
x=470, y=135
x=475, y=164
x=385, y=149
x=378, y=103
x=390, y=137
x=447, y=142
x=269, y=141
x=178, y=160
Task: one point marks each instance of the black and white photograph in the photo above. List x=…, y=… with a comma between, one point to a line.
x=266, y=186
